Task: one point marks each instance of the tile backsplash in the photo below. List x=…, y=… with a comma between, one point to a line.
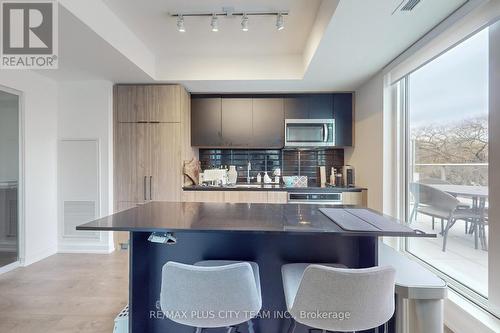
x=291, y=162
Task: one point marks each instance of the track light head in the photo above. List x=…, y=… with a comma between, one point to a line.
x=214, y=23
x=244, y=22
x=180, y=24
x=280, y=22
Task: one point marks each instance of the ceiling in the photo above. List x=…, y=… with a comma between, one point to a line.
x=161, y=36
x=326, y=44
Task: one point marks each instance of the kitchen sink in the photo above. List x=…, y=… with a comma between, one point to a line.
x=247, y=185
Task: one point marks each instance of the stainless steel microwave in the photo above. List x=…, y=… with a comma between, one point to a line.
x=309, y=132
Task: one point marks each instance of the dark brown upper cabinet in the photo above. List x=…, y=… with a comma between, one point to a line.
x=343, y=115
x=258, y=121
x=237, y=122
x=206, y=122
x=268, y=123
x=297, y=107
x=320, y=106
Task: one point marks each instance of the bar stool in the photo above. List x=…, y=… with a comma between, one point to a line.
x=211, y=294
x=339, y=299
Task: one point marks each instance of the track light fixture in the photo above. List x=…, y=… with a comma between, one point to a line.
x=280, y=22
x=229, y=12
x=215, y=23
x=244, y=23
x=180, y=24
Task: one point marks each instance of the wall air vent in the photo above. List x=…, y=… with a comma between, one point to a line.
x=406, y=6
x=409, y=5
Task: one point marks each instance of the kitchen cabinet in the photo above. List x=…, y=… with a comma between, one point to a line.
x=343, y=115
x=258, y=122
x=149, y=154
x=320, y=106
x=206, y=122
x=296, y=107
x=277, y=197
x=147, y=103
x=236, y=122
x=165, y=164
x=203, y=196
x=128, y=152
x=358, y=198
x=245, y=196
x=268, y=123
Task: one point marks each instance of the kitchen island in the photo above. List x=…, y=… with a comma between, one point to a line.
x=269, y=234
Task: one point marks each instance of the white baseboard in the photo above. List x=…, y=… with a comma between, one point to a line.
x=9, y=267
x=40, y=255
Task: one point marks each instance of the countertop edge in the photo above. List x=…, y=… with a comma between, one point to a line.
x=276, y=189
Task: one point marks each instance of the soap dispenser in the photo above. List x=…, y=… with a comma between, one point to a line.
x=259, y=178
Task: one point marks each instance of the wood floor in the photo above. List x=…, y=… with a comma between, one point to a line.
x=74, y=293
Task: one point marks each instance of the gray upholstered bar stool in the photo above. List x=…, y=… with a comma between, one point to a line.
x=347, y=299
x=211, y=294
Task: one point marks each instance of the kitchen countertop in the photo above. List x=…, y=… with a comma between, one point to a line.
x=162, y=216
x=270, y=187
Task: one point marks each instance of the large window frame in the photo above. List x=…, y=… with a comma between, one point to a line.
x=404, y=165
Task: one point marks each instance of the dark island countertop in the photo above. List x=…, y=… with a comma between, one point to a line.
x=271, y=187
x=159, y=216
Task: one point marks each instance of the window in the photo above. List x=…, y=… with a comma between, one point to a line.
x=446, y=162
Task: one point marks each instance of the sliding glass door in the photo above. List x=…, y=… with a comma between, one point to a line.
x=446, y=165
x=9, y=177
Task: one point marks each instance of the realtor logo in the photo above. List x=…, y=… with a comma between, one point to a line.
x=29, y=35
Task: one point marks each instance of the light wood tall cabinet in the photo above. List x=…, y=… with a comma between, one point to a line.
x=151, y=139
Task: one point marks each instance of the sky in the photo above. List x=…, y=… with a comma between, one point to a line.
x=453, y=86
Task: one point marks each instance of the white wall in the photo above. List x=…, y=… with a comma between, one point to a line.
x=86, y=112
x=367, y=155
x=39, y=102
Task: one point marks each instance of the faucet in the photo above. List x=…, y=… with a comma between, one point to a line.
x=249, y=167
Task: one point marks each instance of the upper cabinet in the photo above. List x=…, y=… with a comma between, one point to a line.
x=343, y=115
x=296, y=107
x=237, y=122
x=206, y=122
x=268, y=123
x=148, y=103
x=320, y=106
x=259, y=121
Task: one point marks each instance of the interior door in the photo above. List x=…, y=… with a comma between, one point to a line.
x=166, y=166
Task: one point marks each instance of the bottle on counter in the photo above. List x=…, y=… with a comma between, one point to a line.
x=267, y=179
x=259, y=178
x=232, y=175
x=333, y=176
x=338, y=179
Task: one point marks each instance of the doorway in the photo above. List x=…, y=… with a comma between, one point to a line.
x=9, y=178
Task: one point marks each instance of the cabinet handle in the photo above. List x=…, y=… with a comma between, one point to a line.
x=145, y=188
x=150, y=186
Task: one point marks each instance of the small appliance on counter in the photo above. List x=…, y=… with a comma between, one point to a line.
x=349, y=176
x=214, y=176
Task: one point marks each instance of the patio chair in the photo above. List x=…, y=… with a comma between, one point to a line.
x=438, y=204
x=437, y=181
